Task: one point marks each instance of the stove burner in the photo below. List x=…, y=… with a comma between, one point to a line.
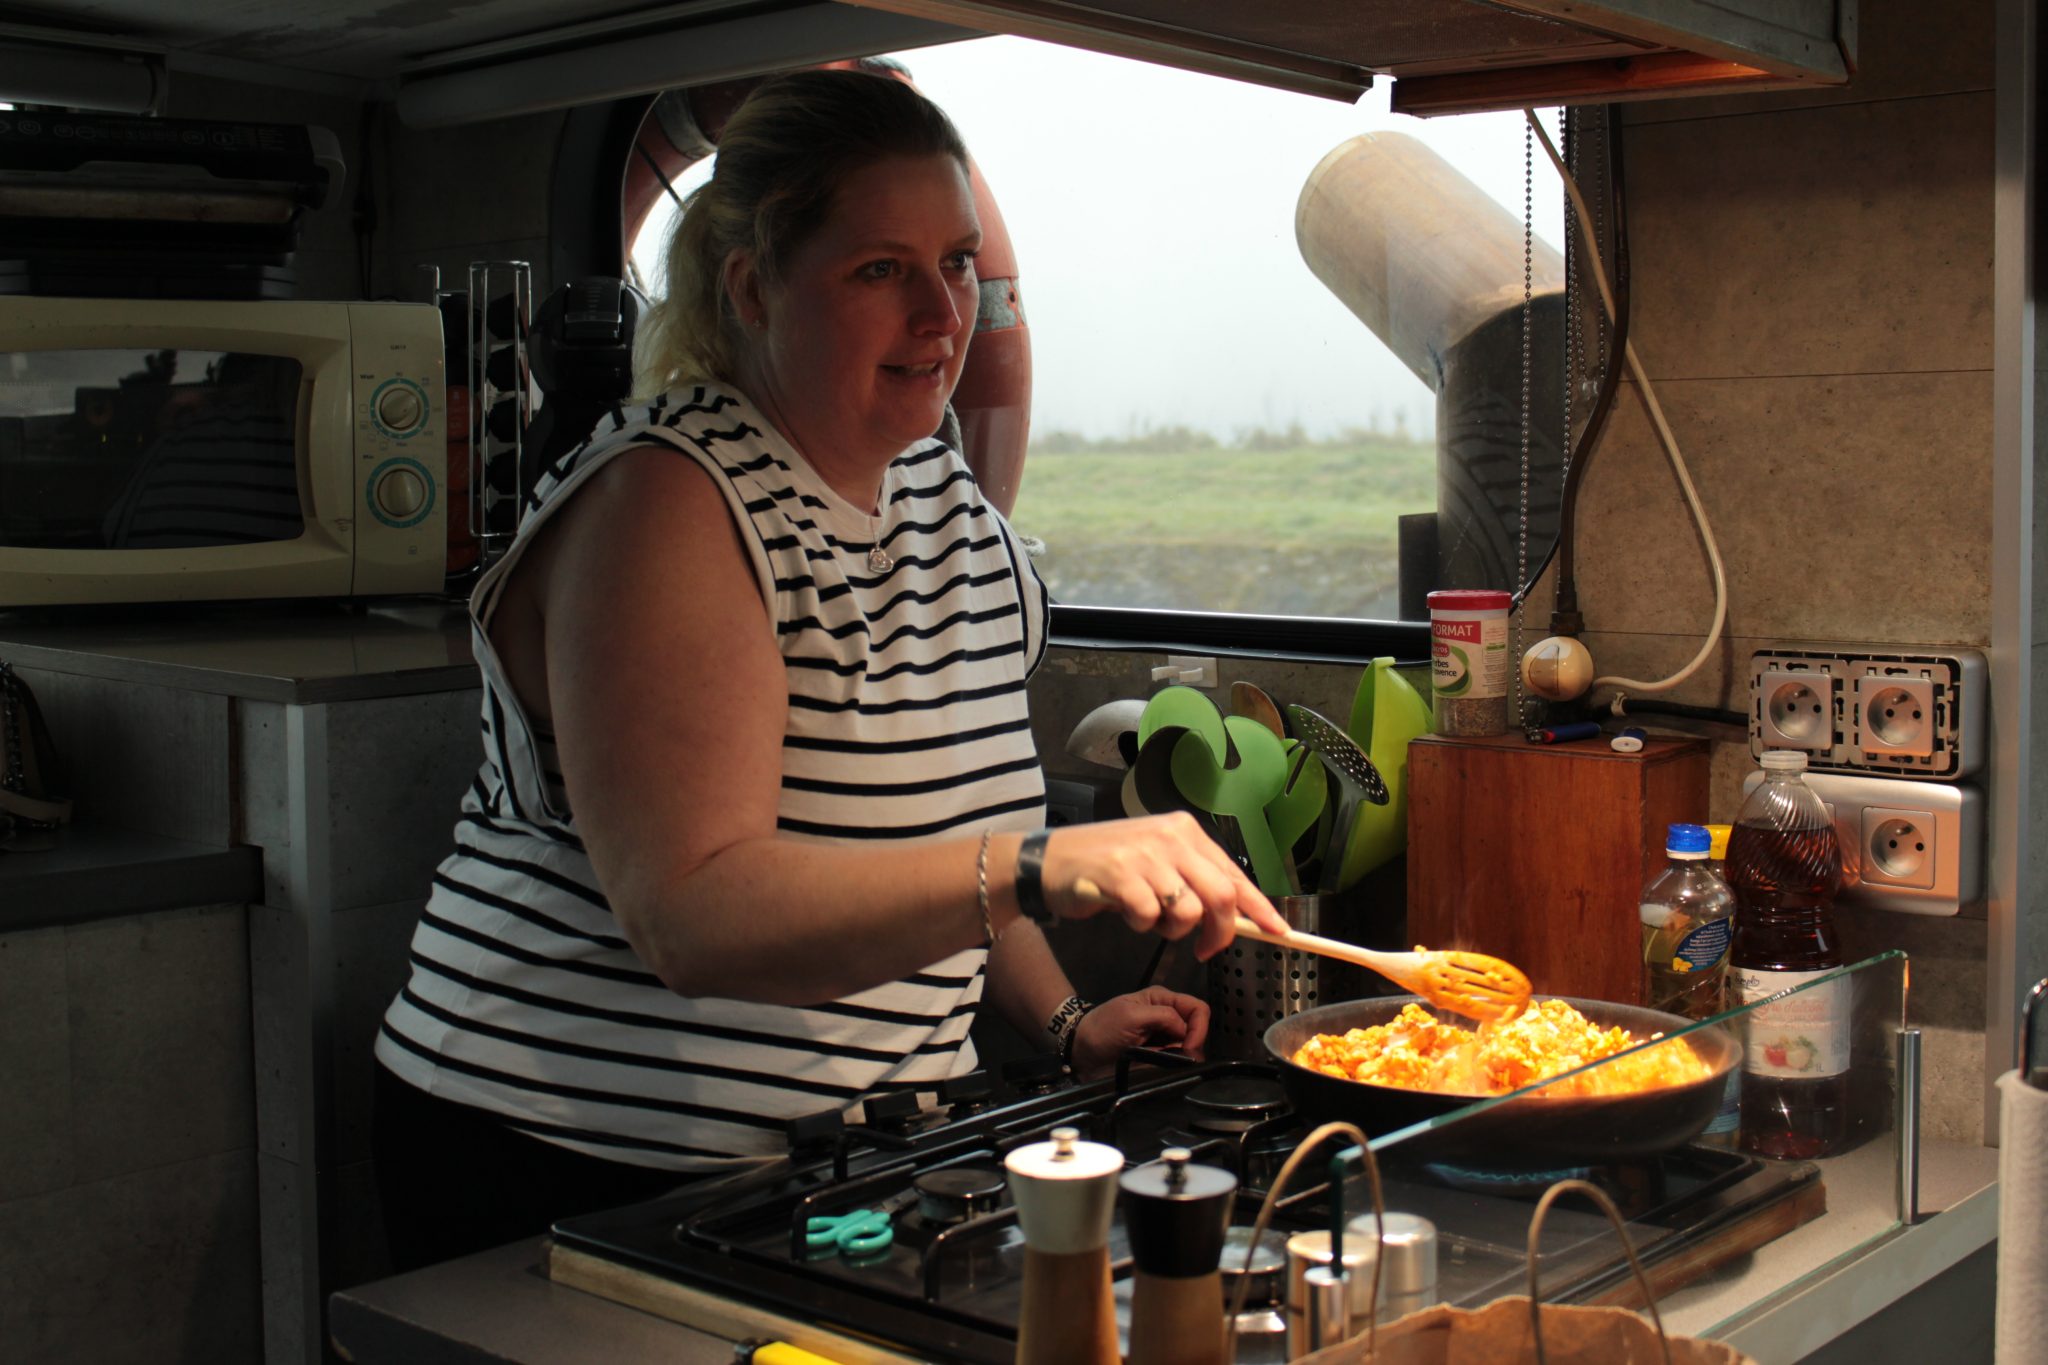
x=955, y=1194
x=1234, y=1103
x=1476, y=1181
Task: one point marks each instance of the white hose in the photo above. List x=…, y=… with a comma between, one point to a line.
x=1664, y=435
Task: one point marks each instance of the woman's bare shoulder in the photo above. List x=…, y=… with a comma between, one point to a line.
x=650, y=497
x=650, y=524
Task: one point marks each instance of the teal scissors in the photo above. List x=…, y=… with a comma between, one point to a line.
x=862, y=1232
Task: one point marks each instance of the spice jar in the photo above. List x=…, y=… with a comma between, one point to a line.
x=1468, y=656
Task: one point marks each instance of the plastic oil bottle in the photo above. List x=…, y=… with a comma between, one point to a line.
x=1785, y=865
x=1687, y=916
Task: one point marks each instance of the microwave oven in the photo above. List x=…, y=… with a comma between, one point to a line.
x=162, y=450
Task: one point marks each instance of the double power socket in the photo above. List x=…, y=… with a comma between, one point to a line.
x=1889, y=731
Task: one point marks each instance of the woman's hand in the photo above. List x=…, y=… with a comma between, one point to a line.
x=1153, y=1017
x=1162, y=873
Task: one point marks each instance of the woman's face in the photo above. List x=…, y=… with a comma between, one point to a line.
x=856, y=349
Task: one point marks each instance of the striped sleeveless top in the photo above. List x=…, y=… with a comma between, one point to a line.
x=907, y=723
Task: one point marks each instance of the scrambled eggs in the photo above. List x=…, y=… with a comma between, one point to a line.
x=1418, y=1051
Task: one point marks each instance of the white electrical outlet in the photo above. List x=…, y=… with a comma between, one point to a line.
x=1915, y=847
x=1903, y=710
x=1795, y=708
x=1900, y=847
x=1895, y=716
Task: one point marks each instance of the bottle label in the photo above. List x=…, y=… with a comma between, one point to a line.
x=1469, y=658
x=1704, y=949
x=1802, y=1038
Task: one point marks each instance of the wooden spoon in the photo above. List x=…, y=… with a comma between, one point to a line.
x=1472, y=984
x=1475, y=985
x=1249, y=699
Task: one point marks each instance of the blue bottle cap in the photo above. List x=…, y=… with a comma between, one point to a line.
x=1688, y=839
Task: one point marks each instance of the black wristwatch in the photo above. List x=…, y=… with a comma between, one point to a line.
x=1030, y=877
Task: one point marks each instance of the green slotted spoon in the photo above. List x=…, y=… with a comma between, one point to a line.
x=1240, y=790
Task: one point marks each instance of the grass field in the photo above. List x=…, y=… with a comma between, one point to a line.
x=1308, y=530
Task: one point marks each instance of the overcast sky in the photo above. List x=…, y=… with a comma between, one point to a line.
x=1153, y=216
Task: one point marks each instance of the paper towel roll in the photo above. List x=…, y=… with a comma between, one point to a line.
x=2022, y=1222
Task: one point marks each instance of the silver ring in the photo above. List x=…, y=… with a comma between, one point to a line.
x=1167, y=902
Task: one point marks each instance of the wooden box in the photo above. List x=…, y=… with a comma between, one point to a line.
x=1538, y=853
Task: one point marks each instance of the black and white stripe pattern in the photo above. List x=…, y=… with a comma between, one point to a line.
x=907, y=723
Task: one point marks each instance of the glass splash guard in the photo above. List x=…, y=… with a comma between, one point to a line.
x=1764, y=1227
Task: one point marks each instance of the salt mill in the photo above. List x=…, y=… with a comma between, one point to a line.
x=1065, y=1193
x=1176, y=1214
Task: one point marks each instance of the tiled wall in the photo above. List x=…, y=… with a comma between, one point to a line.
x=473, y=193
x=127, y=1163
x=1812, y=290
x=396, y=770
x=158, y=1187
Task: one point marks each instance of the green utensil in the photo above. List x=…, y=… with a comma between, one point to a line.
x=1295, y=811
x=1172, y=715
x=1241, y=790
x=1187, y=709
x=1386, y=713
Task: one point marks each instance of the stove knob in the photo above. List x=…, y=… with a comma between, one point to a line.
x=891, y=1111
x=1034, y=1075
x=966, y=1094
x=809, y=1130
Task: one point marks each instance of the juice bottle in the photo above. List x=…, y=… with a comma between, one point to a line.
x=1717, y=849
x=1785, y=866
x=1685, y=915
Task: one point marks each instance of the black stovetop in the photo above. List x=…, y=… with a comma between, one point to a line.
x=949, y=1284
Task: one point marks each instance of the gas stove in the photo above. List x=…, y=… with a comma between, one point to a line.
x=947, y=1284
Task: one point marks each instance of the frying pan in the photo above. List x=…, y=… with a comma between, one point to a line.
x=1534, y=1132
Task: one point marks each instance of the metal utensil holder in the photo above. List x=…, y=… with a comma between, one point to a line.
x=1253, y=985
x=495, y=534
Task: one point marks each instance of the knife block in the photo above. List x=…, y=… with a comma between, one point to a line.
x=1538, y=853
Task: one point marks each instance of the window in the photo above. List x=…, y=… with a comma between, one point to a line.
x=1212, y=429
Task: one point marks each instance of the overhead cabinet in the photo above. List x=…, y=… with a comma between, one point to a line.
x=1450, y=56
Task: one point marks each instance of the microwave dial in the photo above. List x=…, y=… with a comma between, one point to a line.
x=400, y=407
x=401, y=493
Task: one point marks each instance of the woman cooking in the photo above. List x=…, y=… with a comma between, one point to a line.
x=754, y=832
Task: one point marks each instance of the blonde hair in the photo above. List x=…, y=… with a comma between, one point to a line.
x=781, y=160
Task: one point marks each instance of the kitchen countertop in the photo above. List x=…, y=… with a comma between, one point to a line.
x=292, y=652
x=94, y=872
x=498, y=1306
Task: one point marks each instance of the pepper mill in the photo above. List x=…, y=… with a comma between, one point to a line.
x=1065, y=1193
x=1176, y=1214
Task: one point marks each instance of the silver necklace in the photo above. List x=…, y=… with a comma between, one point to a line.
x=878, y=558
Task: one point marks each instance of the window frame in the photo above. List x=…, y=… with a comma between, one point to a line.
x=1243, y=635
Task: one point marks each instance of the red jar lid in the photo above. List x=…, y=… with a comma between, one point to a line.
x=1471, y=599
